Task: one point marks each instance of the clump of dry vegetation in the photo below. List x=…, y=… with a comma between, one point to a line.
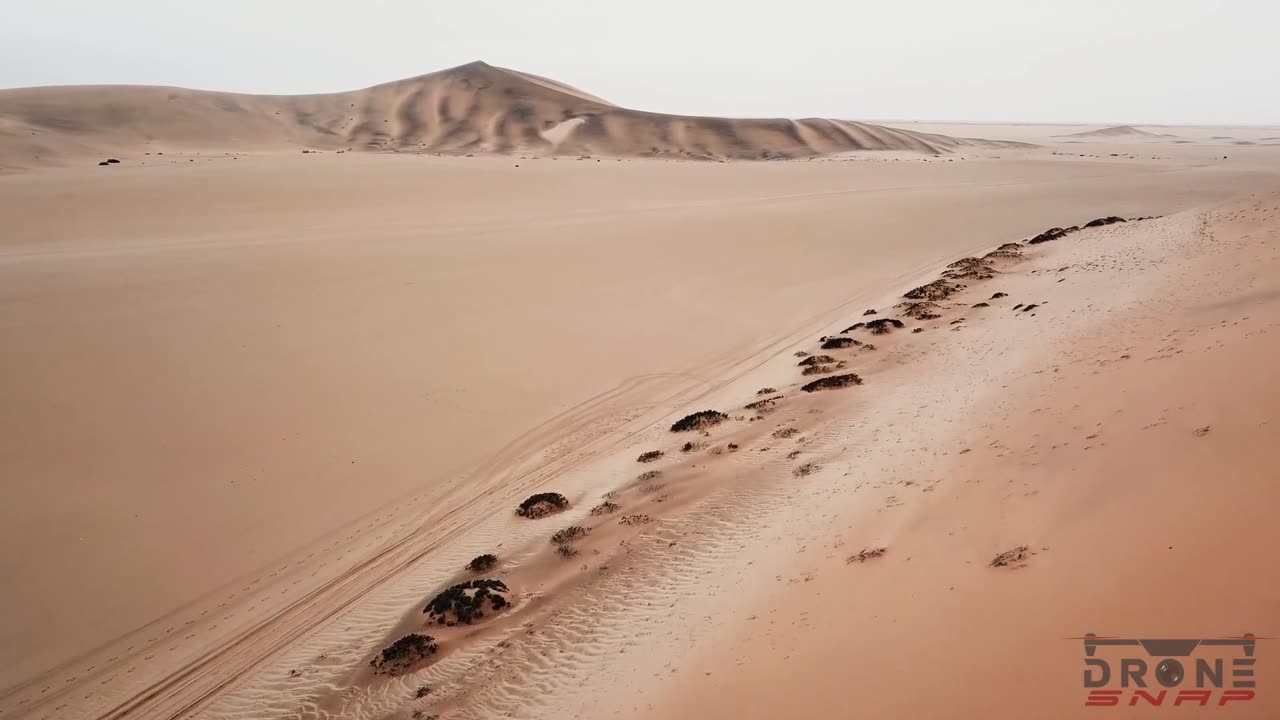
x=816, y=360
x=762, y=406
x=766, y=391
x=1012, y=558
x=833, y=382
x=869, y=311
x=467, y=602
x=997, y=296
x=883, y=326
x=608, y=507
x=568, y=535
x=700, y=420
x=649, y=475
x=937, y=290
x=404, y=654
x=482, y=563
x=688, y=447
x=865, y=554
x=542, y=505
x=635, y=520
x=821, y=369
x=921, y=310
x=838, y=343
x=649, y=456
x=808, y=468
x=783, y=433
x=970, y=268
x=981, y=305
x=1110, y=220
x=1052, y=234
x=1007, y=250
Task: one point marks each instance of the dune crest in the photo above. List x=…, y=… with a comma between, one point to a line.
x=472, y=108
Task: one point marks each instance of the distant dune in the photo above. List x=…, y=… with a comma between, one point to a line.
x=1118, y=131
x=473, y=108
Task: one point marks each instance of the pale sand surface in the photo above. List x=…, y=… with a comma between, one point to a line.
x=259, y=410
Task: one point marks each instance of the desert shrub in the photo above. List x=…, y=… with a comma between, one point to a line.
x=833, y=382
x=762, y=405
x=917, y=330
x=816, y=360
x=635, y=520
x=542, y=505
x=649, y=456
x=851, y=328
x=650, y=488
x=649, y=475
x=936, y=290
x=566, y=551
x=1012, y=557
x=606, y=508
x=404, y=654
x=784, y=432
x=421, y=692
x=1104, y=221
x=882, y=326
x=866, y=554
x=981, y=305
x=569, y=534
x=700, y=420
x=869, y=311
x=481, y=563
x=733, y=447
x=808, y=468
x=921, y=310
x=689, y=447
x=818, y=370
x=1030, y=307
x=766, y=391
x=1052, y=234
x=467, y=601
x=836, y=343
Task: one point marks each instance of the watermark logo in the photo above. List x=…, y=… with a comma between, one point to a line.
x=1162, y=672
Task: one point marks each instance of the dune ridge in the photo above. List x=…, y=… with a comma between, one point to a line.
x=472, y=108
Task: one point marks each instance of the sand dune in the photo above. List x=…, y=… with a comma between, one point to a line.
x=262, y=413
x=1117, y=132
x=473, y=108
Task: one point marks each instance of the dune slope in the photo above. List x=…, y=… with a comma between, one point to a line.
x=473, y=108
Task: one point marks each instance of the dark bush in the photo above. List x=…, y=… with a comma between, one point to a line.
x=833, y=382
x=649, y=456
x=865, y=554
x=981, y=305
x=921, y=310
x=1052, y=234
x=568, y=535
x=467, y=601
x=606, y=508
x=542, y=505
x=766, y=391
x=818, y=370
x=700, y=420
x=869, y=312
x=404, y=654
x=884, y=325
x=816, y=360
x=1110, y=220
x=836, y=343
x=999, y=295
x=936, y=290
x=853, y=327
x=481, y=563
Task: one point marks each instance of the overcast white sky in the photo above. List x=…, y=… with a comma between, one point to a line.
x=1114, y=61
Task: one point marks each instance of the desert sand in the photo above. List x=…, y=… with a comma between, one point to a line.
x=263, y=405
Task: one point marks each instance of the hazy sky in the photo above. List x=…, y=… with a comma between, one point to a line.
x=1133, y=61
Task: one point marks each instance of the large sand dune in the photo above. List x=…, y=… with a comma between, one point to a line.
x=473, y=108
